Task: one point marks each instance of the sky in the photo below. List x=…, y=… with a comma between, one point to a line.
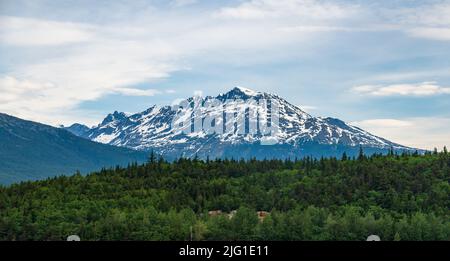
x=383, y=66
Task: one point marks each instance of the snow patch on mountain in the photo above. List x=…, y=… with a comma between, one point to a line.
x=152, y=128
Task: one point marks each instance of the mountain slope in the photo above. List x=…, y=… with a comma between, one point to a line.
x=77, y=129
x=299, y=134
x=30, y=150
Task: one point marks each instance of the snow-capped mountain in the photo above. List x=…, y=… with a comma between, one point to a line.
x=180, y=130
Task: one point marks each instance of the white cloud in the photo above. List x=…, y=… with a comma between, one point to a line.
x=38, y=101
x=51, y=103
x=434, y=14
x=386, y=123
x=419, y=89
x=301, y=9
x=308, y=108
x=106, y=63
x=181, y=3
x=77, y=62
x=407, y=75
x=434, y=33
x=137, y=92
x=429, y=21
x=198, y=93
x=28, y=31
x=424, y=133
x=318, y=29
x=13, y=89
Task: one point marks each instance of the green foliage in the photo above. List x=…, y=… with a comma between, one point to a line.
x=33, y=151
x=398, y=197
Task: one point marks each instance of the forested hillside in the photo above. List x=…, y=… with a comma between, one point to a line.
x=398, y=197
x=31, y=151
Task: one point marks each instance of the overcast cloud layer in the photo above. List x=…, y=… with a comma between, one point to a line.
x=383, y=66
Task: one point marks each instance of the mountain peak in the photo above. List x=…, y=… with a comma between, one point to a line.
x=77, y=129
x=247, y=91
x=298, y=132
x=239, y=92
x=114, y=116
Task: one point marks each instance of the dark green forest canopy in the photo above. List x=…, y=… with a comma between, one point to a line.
x=398, y=197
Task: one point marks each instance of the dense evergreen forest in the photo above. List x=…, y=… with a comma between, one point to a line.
x=398, y=197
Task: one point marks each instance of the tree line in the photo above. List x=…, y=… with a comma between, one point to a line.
x=396, y=196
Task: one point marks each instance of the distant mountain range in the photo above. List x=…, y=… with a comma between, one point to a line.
x=30, y=151
x=299, y=134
